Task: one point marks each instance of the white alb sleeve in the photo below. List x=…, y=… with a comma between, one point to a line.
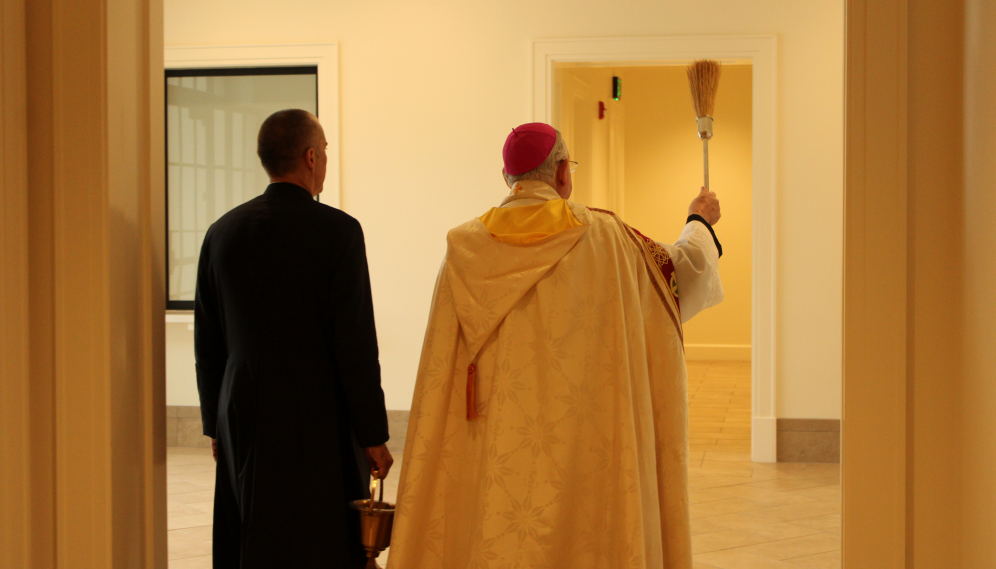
x=696, y=267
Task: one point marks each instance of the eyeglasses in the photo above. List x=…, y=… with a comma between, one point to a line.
x=574, y=166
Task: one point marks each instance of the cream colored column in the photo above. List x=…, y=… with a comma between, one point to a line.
x=15, y=416
x=874, y=426
x=904, y=264
x=937, y=263
x=978, y=392
x=84, y=422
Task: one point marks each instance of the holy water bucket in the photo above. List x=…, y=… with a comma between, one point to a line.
x=376, y=521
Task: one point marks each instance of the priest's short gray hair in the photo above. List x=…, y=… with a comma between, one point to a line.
x=547, y=171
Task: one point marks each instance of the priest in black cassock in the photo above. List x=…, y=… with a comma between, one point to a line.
x=287, y=365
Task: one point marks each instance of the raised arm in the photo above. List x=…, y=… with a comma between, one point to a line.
x=355, y=344
x=210, y=347
x=696, y=257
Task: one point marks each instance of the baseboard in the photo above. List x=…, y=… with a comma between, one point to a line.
x=808, y=440
x=718, y=352
x=184, y=427
x=764, y=439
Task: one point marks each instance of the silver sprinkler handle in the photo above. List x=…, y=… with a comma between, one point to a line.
x=705, y=161
x=705, y=133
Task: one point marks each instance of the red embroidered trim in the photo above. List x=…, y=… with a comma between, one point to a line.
x=471, y=393
x=663, y=262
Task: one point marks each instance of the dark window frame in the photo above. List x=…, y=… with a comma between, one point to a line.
x=214, y=72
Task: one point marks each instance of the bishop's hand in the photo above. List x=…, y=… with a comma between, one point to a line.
x=705, y=204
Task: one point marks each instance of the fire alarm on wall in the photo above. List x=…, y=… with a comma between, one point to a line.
x=601, y=110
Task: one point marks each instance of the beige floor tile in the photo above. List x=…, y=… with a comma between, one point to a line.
x=202, y=479
x=735, y=464
x=829, y=493
x=203, y=507
x=700, y=527
x=182, y=487
x=720, y=507
x=789, y=483
x=195, y=520
x=174, y=508
x=798, y=511
x=184, y=455
x=731, y=438
x=718, y=455
x=191, y=563
x=770, y=497
x=183, y=545
x=742, y=475
x=828, y=560
x=734, y=444
x=764, y=474
x=736, y=559
x=712, y=482
x=827, y=524
x=700, y=496
x=193, y=497
x=770, y=529
x=719, y=540
x=186, y=450
x=796, y=546
x=709, y=412
x=205, y=533
x=187, y=467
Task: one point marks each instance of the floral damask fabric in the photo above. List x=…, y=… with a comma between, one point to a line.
x=579, y=456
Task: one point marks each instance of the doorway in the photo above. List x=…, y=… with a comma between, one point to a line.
x=631, y=128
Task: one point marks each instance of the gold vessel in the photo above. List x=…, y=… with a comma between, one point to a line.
x=376, y=521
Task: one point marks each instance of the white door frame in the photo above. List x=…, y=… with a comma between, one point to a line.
x=323, y=55
x=759, y=51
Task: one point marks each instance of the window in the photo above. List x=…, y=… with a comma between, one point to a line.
x=212, y=118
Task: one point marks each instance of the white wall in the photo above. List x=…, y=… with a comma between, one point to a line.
x=181, y=379
x=430, y=89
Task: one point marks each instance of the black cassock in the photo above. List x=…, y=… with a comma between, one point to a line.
x=289, y=380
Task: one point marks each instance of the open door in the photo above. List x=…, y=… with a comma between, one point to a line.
x=593, y=125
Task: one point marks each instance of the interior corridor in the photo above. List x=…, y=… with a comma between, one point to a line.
x=745, y=515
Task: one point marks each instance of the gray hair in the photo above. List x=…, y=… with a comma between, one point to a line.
x=547, y=171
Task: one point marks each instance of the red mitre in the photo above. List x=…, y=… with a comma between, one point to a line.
x=527, y=147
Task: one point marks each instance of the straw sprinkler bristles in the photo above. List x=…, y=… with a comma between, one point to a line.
x=703, y=77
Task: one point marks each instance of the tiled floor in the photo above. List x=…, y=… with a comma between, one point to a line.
x=719, y=406
x=745, y=515
x=749, y=515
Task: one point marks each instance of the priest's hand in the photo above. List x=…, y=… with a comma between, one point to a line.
x=706, y=204
x=214, y=449
x=380, y=459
